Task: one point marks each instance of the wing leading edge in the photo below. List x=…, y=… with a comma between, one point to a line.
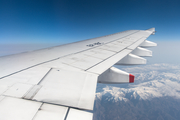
x=60, y=82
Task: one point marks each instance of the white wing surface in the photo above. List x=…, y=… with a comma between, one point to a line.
x=59, y=83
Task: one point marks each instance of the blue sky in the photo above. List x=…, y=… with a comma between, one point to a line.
x=64, y=21
x=42, y=21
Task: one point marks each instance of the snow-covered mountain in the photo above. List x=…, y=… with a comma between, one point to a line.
x=155, y=94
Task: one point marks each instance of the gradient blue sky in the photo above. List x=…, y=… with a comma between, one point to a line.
x=64, y=21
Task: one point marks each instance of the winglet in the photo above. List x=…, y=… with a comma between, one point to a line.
x=151, y=30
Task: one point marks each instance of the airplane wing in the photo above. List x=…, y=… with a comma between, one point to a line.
x=59, y=83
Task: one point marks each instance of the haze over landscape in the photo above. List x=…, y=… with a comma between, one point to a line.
x=30, y=25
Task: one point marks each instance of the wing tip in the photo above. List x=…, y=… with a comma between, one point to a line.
x=151, y=29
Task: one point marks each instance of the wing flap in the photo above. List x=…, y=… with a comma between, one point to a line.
x=136, y=44
x=51, y=112
x=57, y=86
x=20, y=109
x=99, y=53
x=80, y=61
x=75, y=114
x=112, y=47
x=103, y=66
x=69, y=88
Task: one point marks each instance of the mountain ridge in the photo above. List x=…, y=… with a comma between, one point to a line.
x=156, y=88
